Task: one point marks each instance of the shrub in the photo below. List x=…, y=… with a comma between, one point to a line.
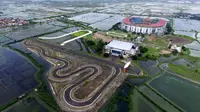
x=99, y=46
x=174, y=52
x=166, y=55
x=134, y=57
x=143, y=49
x=121, y=57
x=139, y=55
x=106, y=55
x=90, y=42
x=183, y=48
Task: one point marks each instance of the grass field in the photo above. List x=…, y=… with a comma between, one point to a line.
x=117, y=34
x=79, y=33
x=158, y=42
x=183, y=93
x=185, y=72
x=151, y=54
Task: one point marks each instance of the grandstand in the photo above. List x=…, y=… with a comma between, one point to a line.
x=144, y=25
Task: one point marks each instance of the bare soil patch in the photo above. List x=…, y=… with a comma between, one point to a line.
x=102, y=36
x=151, y=37
x=180, y=41
x=165, y=52
x=90, y=85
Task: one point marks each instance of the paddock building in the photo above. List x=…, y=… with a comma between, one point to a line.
x=120, y=48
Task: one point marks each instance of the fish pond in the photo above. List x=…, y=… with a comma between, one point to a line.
x=122, y=100
x=16, y=75
x=183, y=93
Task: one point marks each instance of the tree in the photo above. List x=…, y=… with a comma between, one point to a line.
x=169, y=28
x=99, y=46
x=143, y=49
x=90, y=42
x=116, y=26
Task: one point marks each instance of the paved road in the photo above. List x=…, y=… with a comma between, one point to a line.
x=67, y=97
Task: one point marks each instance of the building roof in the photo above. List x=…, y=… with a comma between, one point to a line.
x=120, y=45
x=144, y=22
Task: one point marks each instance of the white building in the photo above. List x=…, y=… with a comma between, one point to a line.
x=120, y=48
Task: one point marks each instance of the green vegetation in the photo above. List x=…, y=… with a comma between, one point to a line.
x=119, y=34
x=77, y=34
x=42, y=87
x=183, y=36
x=169, y=28
x=148, y=53
x=158, y=42
x=8, y=104
x=78, y=24
x=96, y=45
x=185, y=72
x=116, y=26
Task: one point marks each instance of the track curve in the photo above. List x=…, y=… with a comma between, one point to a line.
x=93, y=69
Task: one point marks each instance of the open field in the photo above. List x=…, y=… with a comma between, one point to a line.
x=176, y=90
x=159, y=42
x=77, y=34
x=117, y=34
x=185, y=71
x=101, y=36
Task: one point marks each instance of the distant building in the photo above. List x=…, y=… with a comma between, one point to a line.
x=144, y=25
x=120, y=48
x=175, y=47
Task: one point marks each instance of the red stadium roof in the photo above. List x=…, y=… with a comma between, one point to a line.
x=159, y=23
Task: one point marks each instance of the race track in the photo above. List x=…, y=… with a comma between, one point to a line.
x=67, y=69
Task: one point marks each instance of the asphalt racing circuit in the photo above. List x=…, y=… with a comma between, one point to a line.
x=79, y=82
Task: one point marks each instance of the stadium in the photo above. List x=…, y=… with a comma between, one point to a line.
x=144, y=25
